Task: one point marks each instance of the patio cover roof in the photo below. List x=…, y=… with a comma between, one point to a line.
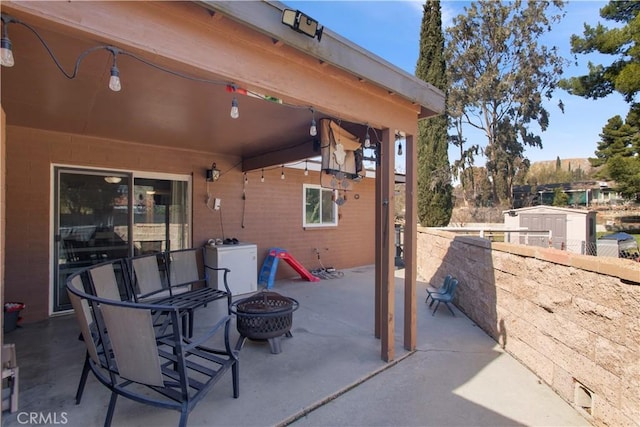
x=158, y=108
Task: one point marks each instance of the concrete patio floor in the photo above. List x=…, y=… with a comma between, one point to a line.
x=328, y=374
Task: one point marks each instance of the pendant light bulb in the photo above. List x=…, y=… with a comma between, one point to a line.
x=400, y=149
x=262, y=177
x=306, y=169
x=367, y=140
x=313, y=130
x=246, y=179
x=6, y=53
x=114, y=80
x=282, y=174
x=235, y=113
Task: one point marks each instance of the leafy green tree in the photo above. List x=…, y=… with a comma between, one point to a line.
x=435, y=201
x=478, y=191
x=560, y=198
x=499, y=74
x=618, y=153
x=623, y=75
x=506, y=159
x=615, y=141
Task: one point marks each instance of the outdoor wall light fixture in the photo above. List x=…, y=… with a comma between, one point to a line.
x=213, y=174
x=302, y=23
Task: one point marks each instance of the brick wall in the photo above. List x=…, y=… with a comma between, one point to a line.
x=572, y=319
x=272, y=210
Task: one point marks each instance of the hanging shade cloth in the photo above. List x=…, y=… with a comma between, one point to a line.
x=341, y=150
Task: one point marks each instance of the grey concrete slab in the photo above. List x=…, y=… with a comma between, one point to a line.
x=328, y=374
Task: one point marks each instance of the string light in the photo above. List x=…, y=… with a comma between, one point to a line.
x=306, y=169
x=282, y=174
x=262, y=177
x=6, y=52
x=7, y=60
x=367, y=139
x=246, y=179
x=234, y=108
x=114, y=80
x=313, y=130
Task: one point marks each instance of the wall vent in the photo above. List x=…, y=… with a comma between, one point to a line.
x=583, y=397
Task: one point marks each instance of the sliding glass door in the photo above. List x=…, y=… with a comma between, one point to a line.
x=160, y=219
x=104, y=215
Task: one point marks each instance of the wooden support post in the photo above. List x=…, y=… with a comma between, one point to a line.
x=410, y=237
x=387, y=254
x=378, y=248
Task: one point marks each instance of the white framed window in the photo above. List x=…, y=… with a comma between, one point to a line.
x=318, y=207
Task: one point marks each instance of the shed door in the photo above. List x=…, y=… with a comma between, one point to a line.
x=556, y=223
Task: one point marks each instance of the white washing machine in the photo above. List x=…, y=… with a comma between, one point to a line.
x=241, y=259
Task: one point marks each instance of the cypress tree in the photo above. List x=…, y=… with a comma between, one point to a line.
x=435, y=201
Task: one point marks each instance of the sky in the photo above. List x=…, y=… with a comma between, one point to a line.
x=391, y=30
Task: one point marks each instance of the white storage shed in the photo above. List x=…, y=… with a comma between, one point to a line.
x=573, y=230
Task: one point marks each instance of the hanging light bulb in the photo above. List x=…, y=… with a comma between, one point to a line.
x=306, y=169
x=262, y=177
x=6, y=52
x=313, y=130
x=367, y=139
x=235, y=113
x=114, y=80
x=400, y=148
x=246, y=179
x=282, y=174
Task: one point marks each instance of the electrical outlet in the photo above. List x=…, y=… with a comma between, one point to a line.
x=216, y=204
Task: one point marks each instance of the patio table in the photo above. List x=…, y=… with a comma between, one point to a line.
x=189, y=301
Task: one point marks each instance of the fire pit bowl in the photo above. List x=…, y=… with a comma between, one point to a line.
x=264, y=316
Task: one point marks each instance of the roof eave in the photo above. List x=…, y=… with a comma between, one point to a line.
x=265, y=17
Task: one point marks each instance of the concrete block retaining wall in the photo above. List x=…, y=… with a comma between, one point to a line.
x=572, y=319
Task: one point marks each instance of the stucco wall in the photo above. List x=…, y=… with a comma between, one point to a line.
x=572, y=319
x=272, y=210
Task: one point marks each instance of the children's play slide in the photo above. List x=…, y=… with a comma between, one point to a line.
x=270, y=267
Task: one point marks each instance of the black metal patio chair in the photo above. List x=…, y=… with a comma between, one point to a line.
x=146, y=361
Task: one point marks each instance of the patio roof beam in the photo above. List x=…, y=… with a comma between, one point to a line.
x=288, y=155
